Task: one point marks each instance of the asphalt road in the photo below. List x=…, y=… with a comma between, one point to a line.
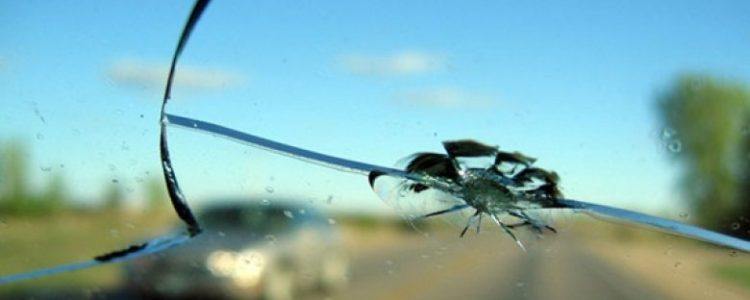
x=489, y=266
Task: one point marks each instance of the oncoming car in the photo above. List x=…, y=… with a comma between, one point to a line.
x=269, y=250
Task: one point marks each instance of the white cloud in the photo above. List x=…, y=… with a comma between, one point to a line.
x=444, y=97
x=149, y=76
x=401, y=63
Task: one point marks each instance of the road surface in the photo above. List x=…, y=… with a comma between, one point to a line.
x=489, y=266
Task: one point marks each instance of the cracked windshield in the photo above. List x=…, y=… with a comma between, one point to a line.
x=385, y=150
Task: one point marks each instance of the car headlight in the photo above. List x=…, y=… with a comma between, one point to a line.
x=244, y=268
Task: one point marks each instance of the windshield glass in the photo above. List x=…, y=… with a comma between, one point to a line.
x=383, y=150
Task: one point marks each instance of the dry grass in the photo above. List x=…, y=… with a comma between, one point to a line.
x=36, y=242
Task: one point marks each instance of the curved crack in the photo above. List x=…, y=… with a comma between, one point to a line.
x=176, y=197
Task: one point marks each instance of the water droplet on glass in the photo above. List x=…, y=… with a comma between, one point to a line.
x=332, y=221
x=675, y=146
x=289, y=214
x=222, y=234
x=270, y=238
x=39, y=136
x=115, y=181
x=329, y=199
x=269, y=189
x=677, y=264
x=301, y=211
x=265, y=202
x=114, y=232
x=667, y=133
x=735, y=226
x=684, y=215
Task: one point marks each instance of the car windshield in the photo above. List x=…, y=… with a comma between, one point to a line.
x=374, y=150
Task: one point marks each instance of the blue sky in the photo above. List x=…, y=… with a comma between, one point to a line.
x=572, y=84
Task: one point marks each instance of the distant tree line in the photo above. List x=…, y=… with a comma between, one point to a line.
x=17, y=198
x=707, y=130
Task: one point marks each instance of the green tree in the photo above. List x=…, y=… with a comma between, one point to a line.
x=705, y=123
x=744, y=165
x=3, y=178
x=54, y=198
x=113, y=197
x=15, y=197
x=156, y=194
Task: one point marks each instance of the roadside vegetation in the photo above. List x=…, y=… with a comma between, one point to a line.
x=706, y=128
